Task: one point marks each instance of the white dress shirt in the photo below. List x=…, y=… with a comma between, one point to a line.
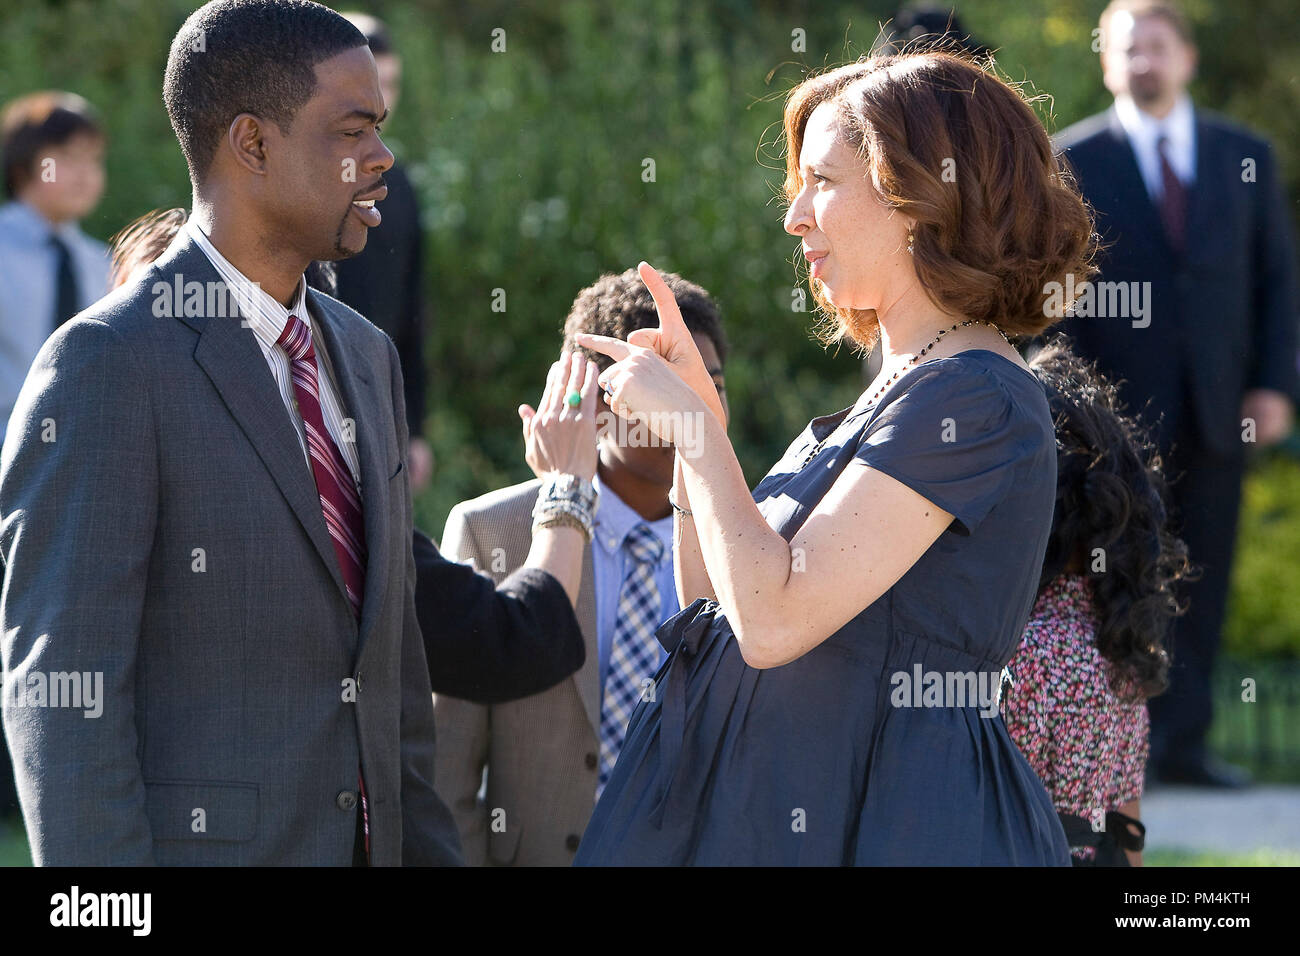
x=267, y=318
x=1144, y=132
x=29, y=287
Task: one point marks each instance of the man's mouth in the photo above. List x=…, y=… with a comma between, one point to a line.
x=364, y=205
x=366, y=212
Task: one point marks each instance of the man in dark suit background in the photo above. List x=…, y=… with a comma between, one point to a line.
x=385, y=281
x=1201, y=270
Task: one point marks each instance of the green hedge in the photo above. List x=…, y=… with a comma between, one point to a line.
x=1264, y=603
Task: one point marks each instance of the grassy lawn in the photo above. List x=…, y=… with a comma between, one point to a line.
x=1198, y=858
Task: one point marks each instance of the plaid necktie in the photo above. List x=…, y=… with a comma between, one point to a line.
x=634, y=653
x=339, y=501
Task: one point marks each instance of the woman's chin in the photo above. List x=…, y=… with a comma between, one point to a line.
x=840, y=300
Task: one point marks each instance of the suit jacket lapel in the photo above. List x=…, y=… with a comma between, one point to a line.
x=1131, y=188
x=362, y=405
x=230, y=356
x=1202, y=194
x=588, y=676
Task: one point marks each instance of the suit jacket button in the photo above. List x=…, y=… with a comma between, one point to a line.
x=572, y=841
x=346, y=800
x=591, y=761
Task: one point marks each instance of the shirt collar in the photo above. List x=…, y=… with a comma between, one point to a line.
x=614, y=518
x=35, y=228
x=1141, y=126
x=264, y=314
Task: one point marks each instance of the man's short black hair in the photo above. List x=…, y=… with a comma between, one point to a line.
x=618, y=305
x=246, y=56
x=33, y=124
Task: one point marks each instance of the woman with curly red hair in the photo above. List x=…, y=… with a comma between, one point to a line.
x=831, y=692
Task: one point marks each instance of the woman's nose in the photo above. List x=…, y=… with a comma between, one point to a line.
x=796, y=218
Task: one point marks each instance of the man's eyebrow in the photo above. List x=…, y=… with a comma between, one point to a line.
x=365, y=115
x=717, y=370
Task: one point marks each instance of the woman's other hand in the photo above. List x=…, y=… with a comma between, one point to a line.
x=559, y=437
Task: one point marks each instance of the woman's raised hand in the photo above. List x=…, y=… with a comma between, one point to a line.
x=671, y=341
x=559, y=437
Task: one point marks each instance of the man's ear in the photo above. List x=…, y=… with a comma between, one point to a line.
x=246, y=143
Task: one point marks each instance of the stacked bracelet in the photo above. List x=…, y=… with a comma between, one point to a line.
x=565, y=500
x=678, y=508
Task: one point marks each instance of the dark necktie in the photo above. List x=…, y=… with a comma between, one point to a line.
x=67, y=298
x=1173, y=198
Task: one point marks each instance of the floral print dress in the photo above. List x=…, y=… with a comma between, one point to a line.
x=1082, y=727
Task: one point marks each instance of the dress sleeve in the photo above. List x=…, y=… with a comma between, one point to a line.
x=954, y=436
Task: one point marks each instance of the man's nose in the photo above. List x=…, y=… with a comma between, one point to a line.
x=382, y=160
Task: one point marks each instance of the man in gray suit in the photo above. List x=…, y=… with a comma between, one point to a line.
x=209, y=628
x=545, y=755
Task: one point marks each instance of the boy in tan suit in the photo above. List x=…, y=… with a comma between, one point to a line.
x=546, y=757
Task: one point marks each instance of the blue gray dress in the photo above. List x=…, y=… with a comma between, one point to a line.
x=875, y=747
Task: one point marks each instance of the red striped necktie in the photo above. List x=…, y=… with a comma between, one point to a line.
x=339, y=501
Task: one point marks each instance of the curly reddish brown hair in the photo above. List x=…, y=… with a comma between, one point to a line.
x=960, y=151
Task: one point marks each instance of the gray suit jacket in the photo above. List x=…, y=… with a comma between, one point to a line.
x=541, y=752
x=161, y=528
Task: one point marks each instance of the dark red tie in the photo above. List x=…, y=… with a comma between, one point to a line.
x=339, y=501
x=1173, y=199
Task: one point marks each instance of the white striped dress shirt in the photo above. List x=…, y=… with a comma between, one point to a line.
x=267, y=318
x=1144, y=132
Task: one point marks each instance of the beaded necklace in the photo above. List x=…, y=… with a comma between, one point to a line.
x=912, y=361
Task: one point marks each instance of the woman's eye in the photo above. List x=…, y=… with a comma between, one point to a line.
x=355, y=134
x=818, y=177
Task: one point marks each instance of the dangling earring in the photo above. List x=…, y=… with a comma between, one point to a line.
x=910, y=240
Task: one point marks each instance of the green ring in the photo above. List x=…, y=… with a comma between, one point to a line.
x=574, y=399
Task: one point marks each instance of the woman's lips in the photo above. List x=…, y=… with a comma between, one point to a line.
x=817, y=261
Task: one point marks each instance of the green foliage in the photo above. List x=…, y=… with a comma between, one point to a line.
x=1264, y=603
x=13, y=846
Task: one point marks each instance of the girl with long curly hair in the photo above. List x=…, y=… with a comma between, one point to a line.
x=1093, y=651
